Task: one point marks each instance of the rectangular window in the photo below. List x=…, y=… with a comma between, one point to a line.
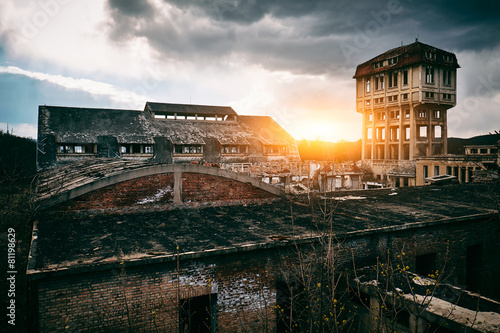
x=422, y=114
x=197, y=314
x=426, y=171
x=425, y=265
x=407, y=114
x=368, y=85
x=429, y=74
x=473, y=151
x=369, y=133
x=430, y=55
x=436, y=170
x=429, y=94
x=474, y=267
x=188, y=149
x=448, y=170
x=481, y=151
x=393, y=79
x=447, y=77
x=379, y=82
x=407, y=133
x=405, y=77
x=148, y=149
x=123, y=149
x=370, y=117
x=405, y=97
x=437, y=114
x=78, y=149
x=422, y=131
x=437, y=132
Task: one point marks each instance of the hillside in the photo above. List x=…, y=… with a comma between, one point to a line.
x=456, y=145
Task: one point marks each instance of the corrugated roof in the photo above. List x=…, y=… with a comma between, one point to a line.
x=407, y=55
x=190, y=109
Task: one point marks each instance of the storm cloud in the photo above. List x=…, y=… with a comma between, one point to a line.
x=313, y=37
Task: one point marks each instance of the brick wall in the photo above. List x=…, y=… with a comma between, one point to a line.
x=156, y=191
x=145, y=297
x=201, y=188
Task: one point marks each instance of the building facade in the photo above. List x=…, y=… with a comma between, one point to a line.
x=404, y=95
x=161, y=133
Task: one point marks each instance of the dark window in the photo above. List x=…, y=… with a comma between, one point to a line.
x=426, y=171
x=429, y=74
x=436, y=170
x=474, y=258
x=483, y=151
x=197, y=314
x=425, y=264
x=405, y=77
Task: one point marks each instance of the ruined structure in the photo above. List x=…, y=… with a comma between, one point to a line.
x=131, y=235
x=479, y=163
x=227, y=258
x=161, y=133
x=404, y=95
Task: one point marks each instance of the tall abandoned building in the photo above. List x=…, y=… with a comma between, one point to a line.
x=404, y=95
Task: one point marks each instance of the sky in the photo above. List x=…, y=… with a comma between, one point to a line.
x=290, y=59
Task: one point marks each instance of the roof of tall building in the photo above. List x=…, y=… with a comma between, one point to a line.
x=415, y=53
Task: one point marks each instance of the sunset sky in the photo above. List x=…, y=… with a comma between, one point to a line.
x=290, y=59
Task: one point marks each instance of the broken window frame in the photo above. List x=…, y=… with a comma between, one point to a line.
x=234, y=149
x=429, y=74
x=181, y=149
x=188, y=311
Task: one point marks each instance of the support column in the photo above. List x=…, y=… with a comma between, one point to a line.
x=177, y=187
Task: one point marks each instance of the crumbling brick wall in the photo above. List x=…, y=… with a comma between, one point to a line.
x=156, y=192
x=145, y=296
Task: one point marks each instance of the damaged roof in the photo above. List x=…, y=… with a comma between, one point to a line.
x=88, y=239
x=85, y=125
x=407, y=55
x=270, y=131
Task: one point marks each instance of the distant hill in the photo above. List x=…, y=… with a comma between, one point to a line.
x=456, y=145
x=17, y=159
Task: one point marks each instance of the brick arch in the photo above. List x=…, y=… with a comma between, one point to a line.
x=164, y=184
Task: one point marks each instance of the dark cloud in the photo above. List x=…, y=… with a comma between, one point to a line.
x=314, y=36
x=131, y=7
